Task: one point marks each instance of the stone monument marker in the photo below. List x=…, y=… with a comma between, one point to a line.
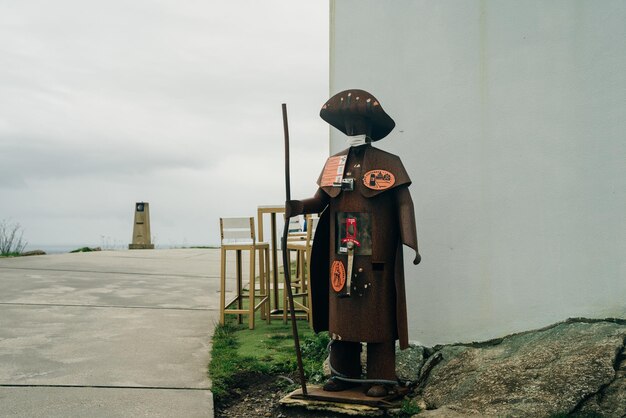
x=141, y=228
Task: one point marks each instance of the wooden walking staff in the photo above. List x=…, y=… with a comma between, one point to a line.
x=286, y=261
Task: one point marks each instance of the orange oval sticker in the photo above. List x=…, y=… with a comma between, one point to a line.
x=337, y=275
x=378, y=179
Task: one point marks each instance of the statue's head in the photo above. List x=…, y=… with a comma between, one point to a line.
x=357, y=112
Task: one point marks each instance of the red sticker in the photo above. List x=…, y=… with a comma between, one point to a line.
x=378, y=179
x=337, y=276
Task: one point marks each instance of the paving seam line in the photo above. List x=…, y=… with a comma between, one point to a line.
x=63, y=305
x=111, y=272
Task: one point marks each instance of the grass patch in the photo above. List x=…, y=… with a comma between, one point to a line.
x=267, y=349
x=409, y=408
x=11, y=254
x=225, y=361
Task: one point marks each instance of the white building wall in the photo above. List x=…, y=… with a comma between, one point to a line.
x=511, y=120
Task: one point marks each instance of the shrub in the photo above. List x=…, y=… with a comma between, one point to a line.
x=409, y=408
x=11, y=242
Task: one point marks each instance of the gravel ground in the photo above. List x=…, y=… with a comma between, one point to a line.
x=256, y=395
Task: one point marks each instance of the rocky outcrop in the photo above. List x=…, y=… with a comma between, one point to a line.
x=409, y=362
x=611, y=400
x=34, y=252
x=578, y=366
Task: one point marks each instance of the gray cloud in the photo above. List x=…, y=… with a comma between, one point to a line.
x=153, y=99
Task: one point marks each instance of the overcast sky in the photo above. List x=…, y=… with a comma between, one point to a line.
x=103, y=104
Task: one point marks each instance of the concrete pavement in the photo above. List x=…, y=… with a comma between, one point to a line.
x=111, y=333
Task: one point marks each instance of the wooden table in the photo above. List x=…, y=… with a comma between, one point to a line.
x=272, y=210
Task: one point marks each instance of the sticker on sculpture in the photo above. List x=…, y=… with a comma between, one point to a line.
x=333, y=171
x=379, y=179
x=337, y=275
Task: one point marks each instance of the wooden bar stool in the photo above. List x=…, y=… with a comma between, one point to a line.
x=301, y=293
x=238, y=235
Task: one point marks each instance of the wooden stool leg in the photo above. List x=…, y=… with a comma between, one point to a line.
x=301, y=285
x=252, y=288
x=239, y=287
x=297, y=265
x=285, y=299
x=222, y=285
x=262, y=290
x=261, y=276
x=308, y=288
x=303, y=282
x=266, y=274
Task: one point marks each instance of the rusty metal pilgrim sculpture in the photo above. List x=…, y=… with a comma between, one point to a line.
x=357, y=271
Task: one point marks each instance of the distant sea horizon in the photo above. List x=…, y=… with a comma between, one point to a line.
x=66, y=248
x=63, y=248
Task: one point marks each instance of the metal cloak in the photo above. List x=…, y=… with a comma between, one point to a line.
x=393, y=224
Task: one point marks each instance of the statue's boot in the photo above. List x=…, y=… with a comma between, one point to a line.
x=377, y=391
x=345, y=359
x=381, y=365
x=336, y=385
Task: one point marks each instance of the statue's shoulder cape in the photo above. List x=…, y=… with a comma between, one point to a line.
x=374, y=160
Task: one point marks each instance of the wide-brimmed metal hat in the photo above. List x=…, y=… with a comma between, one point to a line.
x=360, y=103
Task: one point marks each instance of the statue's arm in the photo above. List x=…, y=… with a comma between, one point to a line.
x=406, y=217
x=315, y=204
